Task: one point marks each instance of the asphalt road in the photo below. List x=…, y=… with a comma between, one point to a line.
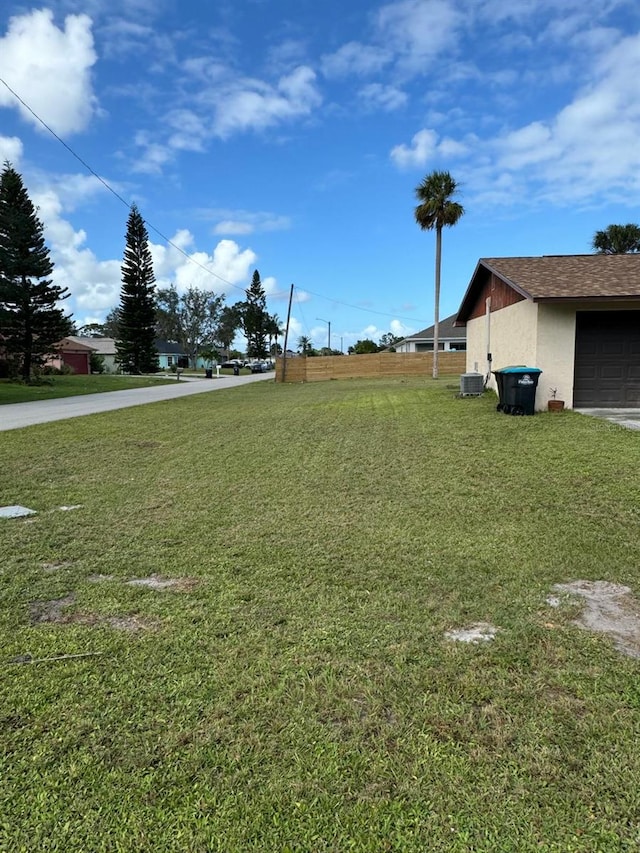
x=18, y=415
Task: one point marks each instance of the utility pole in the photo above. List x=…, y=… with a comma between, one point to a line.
x=328, y=322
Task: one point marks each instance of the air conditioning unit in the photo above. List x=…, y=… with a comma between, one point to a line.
x=471, y=384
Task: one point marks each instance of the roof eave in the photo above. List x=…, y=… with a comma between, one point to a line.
x=468, y=300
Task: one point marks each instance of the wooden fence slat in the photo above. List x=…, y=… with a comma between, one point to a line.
x=375, y=365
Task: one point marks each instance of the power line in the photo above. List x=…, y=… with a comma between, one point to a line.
x=115, y=193
x=167, y=240
x=359, y=307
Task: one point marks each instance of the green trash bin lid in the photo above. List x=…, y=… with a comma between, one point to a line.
x=518, y=368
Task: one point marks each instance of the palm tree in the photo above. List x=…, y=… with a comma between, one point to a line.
x=437, y=210
x=304, y=345
x=274, y=330
x=617, y=240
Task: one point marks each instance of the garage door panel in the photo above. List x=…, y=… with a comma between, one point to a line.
x=612, y=348
x=607, y=359
x=613, y=371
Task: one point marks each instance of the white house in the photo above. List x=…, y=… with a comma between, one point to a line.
x=450, y=338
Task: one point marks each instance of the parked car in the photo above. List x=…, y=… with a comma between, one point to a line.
x=259, y=367
x=234, y=362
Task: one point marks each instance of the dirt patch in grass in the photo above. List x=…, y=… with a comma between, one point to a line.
x=55, y=612
x=609, y=609
x=159, y=583
x=481, y=632
x=56, y=565
x=43, y=612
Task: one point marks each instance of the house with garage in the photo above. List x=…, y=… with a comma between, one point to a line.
x=73, y=353
x=105, y=347
x=575, y=317
x=450, y=338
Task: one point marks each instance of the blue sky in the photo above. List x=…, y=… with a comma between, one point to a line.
x=288, y=136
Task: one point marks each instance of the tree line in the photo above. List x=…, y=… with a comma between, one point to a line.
x=33, y=321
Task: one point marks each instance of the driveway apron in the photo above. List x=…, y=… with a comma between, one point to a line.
x=629, y=418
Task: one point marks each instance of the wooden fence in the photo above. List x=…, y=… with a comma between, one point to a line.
x=378, y=365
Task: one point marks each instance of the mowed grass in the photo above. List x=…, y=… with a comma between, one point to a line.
x=298, y=692
x=52, y=387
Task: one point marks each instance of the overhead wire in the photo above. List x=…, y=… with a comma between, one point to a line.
x=117, y=194
x=167, y=240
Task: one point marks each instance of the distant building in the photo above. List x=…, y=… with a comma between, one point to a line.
x=450, y=338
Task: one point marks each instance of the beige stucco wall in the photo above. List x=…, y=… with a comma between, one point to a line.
x=538, y=335
x=512, y=339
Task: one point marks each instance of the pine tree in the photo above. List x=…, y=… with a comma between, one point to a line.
x=135, y=345
x=255, y=319
x=30, y=321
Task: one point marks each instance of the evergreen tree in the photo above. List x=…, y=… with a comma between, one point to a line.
x=135, y=345
x=255, y=319
x=30, y=321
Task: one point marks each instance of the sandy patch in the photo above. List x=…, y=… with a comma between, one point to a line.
x=481, y=632
x=158, y=582
x=609, y=609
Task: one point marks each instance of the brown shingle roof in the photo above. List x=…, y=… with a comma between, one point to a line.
x=570, y=276
x=558, y=277
x=445, y=330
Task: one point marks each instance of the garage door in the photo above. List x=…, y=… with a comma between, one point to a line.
x=607, y=363
x=77, y=361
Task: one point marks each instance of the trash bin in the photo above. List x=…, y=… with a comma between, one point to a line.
x=208, y=373
x=517, y=389
x=236, y=370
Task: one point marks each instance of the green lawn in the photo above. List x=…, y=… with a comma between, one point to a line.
x=296, y=691
x=71, y=386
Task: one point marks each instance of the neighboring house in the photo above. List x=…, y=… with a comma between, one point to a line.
x=106, y=347
x=171, y=354
x=73, y=352
x=450, y=339
x=575, y=317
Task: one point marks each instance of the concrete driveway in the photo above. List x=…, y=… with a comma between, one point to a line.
x=18, y=415
x=629, y=418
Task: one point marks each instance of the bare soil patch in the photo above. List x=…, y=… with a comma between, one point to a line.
x=481, y=632
x=42, y=612
x=159, y=583
x=55, y=612
x=56, y=565
x=609, y=609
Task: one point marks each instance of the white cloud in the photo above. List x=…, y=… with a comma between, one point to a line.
x=233, y=227
x=189, y=130
x=49, y=69
x=591, y=146
x=355, y=58
x=388, y=98
x=423, y=147
x=420, y=30
x=241, y=222
x=249, y=104
x=154, y=154
x=226, y=270
x=11, y=150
